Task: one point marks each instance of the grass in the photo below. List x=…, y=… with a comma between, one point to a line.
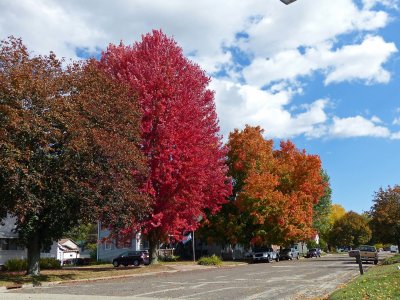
x=10, y=279
x=14, y=279
x=380, y=283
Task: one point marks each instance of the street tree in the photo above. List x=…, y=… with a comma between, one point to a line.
x=337, y=211
x=322, y=211
x=180, y=136
x=274, y=192
x=385, y=215
x=68, y=147
x=350, y=230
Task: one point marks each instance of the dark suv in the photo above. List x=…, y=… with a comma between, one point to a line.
x=135, y=258
x=314, y=252
x=263, y=254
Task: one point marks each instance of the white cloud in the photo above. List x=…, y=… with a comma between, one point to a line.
x=368, y=4
x=396, y=121
x=361, y=61
x=357, y=127
x=395, y=136
x=239, y=104
x=284, y=45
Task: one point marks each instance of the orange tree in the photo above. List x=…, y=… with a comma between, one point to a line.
x=274, y=192
x=68, y=148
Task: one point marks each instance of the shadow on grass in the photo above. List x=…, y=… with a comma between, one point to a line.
x=14, y=278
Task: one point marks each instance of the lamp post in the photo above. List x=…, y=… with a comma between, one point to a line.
x=287, y=1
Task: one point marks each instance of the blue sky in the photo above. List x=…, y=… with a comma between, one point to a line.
x=325, y=74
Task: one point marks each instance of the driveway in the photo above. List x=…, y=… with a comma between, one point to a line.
x=298, y=279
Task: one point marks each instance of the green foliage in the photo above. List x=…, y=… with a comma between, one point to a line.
x=16, y=264
x=21, y=264
x=380, y=282
x=350, y=230
x=312, y=244
x=212, y=260
x=49, y=263
x=322, y=209
x=169, y=258
x=385, y=215
x=391, y=260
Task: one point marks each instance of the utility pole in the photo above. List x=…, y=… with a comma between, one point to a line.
x=194, y=255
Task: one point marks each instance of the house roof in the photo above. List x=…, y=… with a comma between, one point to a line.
x=68, y=244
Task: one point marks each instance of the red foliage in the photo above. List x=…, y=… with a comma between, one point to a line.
x=180, y=130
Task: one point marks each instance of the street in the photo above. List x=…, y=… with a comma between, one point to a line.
x=297, y=279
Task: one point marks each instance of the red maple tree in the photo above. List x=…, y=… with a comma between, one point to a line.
x=179, y=132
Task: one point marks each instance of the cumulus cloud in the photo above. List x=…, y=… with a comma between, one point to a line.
x=362, y=61
x=240, y=104
x=282, y=45
x=357, y=126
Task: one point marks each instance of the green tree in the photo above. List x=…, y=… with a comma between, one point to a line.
x=385, y=215
x=350, y=230
x=322, y=211
x=68, y=148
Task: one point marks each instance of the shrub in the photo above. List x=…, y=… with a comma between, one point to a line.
x=392, y=260
x=210, y=261
x=167, y=258
x=49, y=263
x=16, y=264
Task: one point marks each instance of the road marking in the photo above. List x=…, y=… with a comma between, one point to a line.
x=161, y=291
x=211, y=291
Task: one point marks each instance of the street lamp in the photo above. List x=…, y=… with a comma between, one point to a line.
x=287, y=1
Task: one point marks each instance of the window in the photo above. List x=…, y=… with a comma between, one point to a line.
x=123, y=242
x=107, y=245
x=10, y=244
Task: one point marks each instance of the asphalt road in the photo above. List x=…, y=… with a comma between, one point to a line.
x=297, y=279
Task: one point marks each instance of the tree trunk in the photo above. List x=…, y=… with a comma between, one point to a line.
x=153, y=245
x=34, y=256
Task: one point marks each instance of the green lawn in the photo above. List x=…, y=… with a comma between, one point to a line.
x=381, y=282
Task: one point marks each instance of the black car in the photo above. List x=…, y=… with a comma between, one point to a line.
x=288, y=254
x=135, y=258
x=314, y=252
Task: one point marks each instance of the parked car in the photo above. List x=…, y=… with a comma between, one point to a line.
x=288, y=254
x=313, y=252
x=354, y=252
x=134, y=258
x=368, y=253
x=263, y=254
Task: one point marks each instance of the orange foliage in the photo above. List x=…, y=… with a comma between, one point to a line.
x=278, y=188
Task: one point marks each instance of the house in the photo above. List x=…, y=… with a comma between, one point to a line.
x=109, y=248
x=11, y=249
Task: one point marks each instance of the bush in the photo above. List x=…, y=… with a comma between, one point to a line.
x=210, y=261
x=168, y=258
x=49, y=263
x=392, y=260
x=18, y=265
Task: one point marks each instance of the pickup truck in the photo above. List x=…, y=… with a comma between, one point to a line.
x=368, y=253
